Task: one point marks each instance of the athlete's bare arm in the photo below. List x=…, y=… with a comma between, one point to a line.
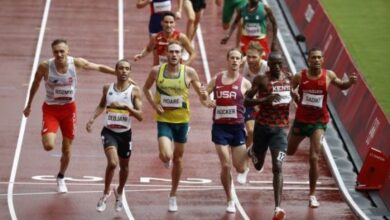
x=99, y=109
x=149, y=48
x=142, y=3
x=232, y=28
x=84, y=64
x=137, y=102
x=272, y=19
x=209, y=89
x=193, y=79
x=148, y=92
x=42, y=72
x=296, y=79
x=341, y=84
x=187, y=46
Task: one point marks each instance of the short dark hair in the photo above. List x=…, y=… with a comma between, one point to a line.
x=168, y=13
x=58, y=41
x=312, y=50
x=122, y=60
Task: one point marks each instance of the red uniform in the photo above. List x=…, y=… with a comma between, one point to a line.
x=229, y=102
x=162, y=44
x=313, y=95
x=275, y=114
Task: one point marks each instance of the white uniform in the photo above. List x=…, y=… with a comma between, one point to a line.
x=118, y=120
x=247, y=73
x=61, y=87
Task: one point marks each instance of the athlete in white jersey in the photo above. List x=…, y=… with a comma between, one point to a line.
x=119, y=101
x=254, y=65
x=59, y=108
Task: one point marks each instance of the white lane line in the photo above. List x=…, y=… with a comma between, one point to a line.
x=168, y=188
x=22, y=129
x=208, y=78
x=120, y=56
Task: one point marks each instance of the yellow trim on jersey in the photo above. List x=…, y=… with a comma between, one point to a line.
x=173, y=87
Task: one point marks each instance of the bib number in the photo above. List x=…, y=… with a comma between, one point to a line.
x=285, y=98
x=118, y=118
x=253, y=29
x=312, y=100
x=225, y=112
x=171, y=101
x=159, y=7
x=63, y=92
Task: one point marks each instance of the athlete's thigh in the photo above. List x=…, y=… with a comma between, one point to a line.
x=239, y=156
x=316, y=140
x=223, y=152
x=189, y=10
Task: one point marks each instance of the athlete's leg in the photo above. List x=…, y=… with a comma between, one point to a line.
x=66, y=154
x=189, y=10
x=315, y=149
x=123, y=173
x=225, y=161
x=293, y=142
x=112, y=162
x=177, y=168
x=165, y=148
x=48, y=141
x=240, y=158
x=277, y=162
x=249, y=125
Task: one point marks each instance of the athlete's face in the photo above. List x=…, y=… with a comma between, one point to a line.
x=168, y=24
x=275, y=65
x=174, y=53
x=123, y=71
x=253, y=57
x=235, y=59
x=60, y=52
x=316, y=59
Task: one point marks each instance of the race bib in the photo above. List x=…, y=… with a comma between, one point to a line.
x=225, y=112
x=253, y=29
x=117, y=118
x=162, y=59
x=171, y=101
x=312, y=100
x=61, y=92
x=164, y=6
x=285, y=98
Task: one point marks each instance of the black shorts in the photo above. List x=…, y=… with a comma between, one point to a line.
x=122, y=141
x=198, y=5
x=273, y=137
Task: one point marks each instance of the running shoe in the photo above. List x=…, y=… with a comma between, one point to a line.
x=279, y=214
x=258, y=166
x=241, y=177
x=168, y=164
x=313, y=203
x=101, y=205
x=61, y=186
x=231, y=208
x=118, y=200
x=172, y=204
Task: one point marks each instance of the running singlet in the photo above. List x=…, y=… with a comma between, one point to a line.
x=249, y=75
x=229, y=102
x=162, y=44
x=172, y=95
x=160, y=6
x=275, y=114
x=61, y=87
x=313, y=95
x=118, y=120
x=255, y=22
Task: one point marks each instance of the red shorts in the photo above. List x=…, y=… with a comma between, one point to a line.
x=245, y=40
x=63, y=116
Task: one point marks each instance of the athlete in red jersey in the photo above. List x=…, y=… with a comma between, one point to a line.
x=228, y=131
x=312, y=115
x=273, y=97
x=159, y=42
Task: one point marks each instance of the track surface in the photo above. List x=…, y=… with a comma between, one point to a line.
x=91, y=28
